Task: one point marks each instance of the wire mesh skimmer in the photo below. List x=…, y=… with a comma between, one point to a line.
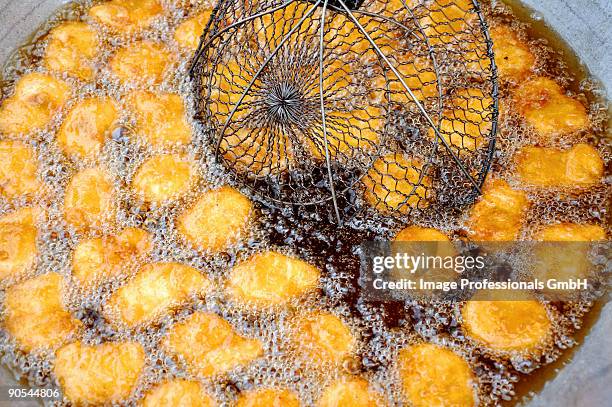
x=383, y=104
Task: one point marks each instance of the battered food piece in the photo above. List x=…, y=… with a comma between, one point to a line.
x=499, y=213
x=210, y=346
x=70, y=49
x=579, y=166
x=18, y=249
x=435, y=376
x=230, y=81
x=188, y=33
x=324, y=337
x=36, y=100
x=104, y=257
x=392, y=184
x=156, y=288
x=571, y=232
x=178, y=392
x=164, y=177
x=89, y=199
x=126, y=16
x=513, y=58
x=350, y=392
x=87, y=127
x=141, y=62
x=268, y=397
x=420, y=234
x=217, y=220
x=508, y=326
x=99, y=374
x=418, y=74
x=160, y=118
x=18, y=166
x=446, y=21
x=35, y=316
x=270, y=278
x=546, y=107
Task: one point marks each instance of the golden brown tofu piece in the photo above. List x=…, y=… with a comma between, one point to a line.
x=160, y=118
x=156, y=289
x=18, y=249
x=579, y=166
x=517, y=326
x=89, y=199
x=164, y=177
x=350, y=392
x=104, y=257
x=499, y=214
x=392, y=184
x=178, y=393
x=99, y=374
x=18, y=166
x=268, y=397
x=217, y=220
x=126, y=16
x=141, y=62
x=324, y=337
x=271, y=278
x=87, y=127
x=188, y=33
x=435, y=376
x=37, y=98
x=71, y=48
x=210, y=346
x=546, y=107
x=35, y=315
x=513, y=58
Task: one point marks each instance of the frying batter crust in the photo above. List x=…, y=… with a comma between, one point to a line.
x=446, y=21
x=71, y=49
x=178, y=392
x=188, y=33
x=513, y=58
x=127, y=16
x=435, y=376
x=164, y=177
x=141, y=62
x=210, y=346
x=324, y=337
x=571, y=232
x=36, y=100
x=271, y=278
x=268, y=397
x=18, y=167
x=89, y=199
x=350, y=392
x=87, y=126
x=35, y=315
x=99, y=374
x=579, y=166
x=157, y=288
x=217, y=220
x=18, y=249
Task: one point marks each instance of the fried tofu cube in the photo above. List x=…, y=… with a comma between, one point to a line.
x=268, y=397
x=164, y=177
x=546, y=108
x=271, y=278
x=160, y=118
x=178, y=393
x=396, y=183
x=188, y=33
x=71, y=48
x=156, y=289
x=104, y=257
x=89, y=198
x=435, y=376
x=87, y=127
x=210, y=346
x=99, y=374
x=126, y=16
x=324, y=337
x=350, y=392
x=18, y=249
x=579, y=166
x=509, y=326
x=217, y=220
x=36, y=100
x=499, y=214
x=513, y=58
x=18, y=166
x=35, y=315
x=141, y=62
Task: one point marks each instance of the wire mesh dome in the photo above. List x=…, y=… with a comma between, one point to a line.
x=387, y=105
